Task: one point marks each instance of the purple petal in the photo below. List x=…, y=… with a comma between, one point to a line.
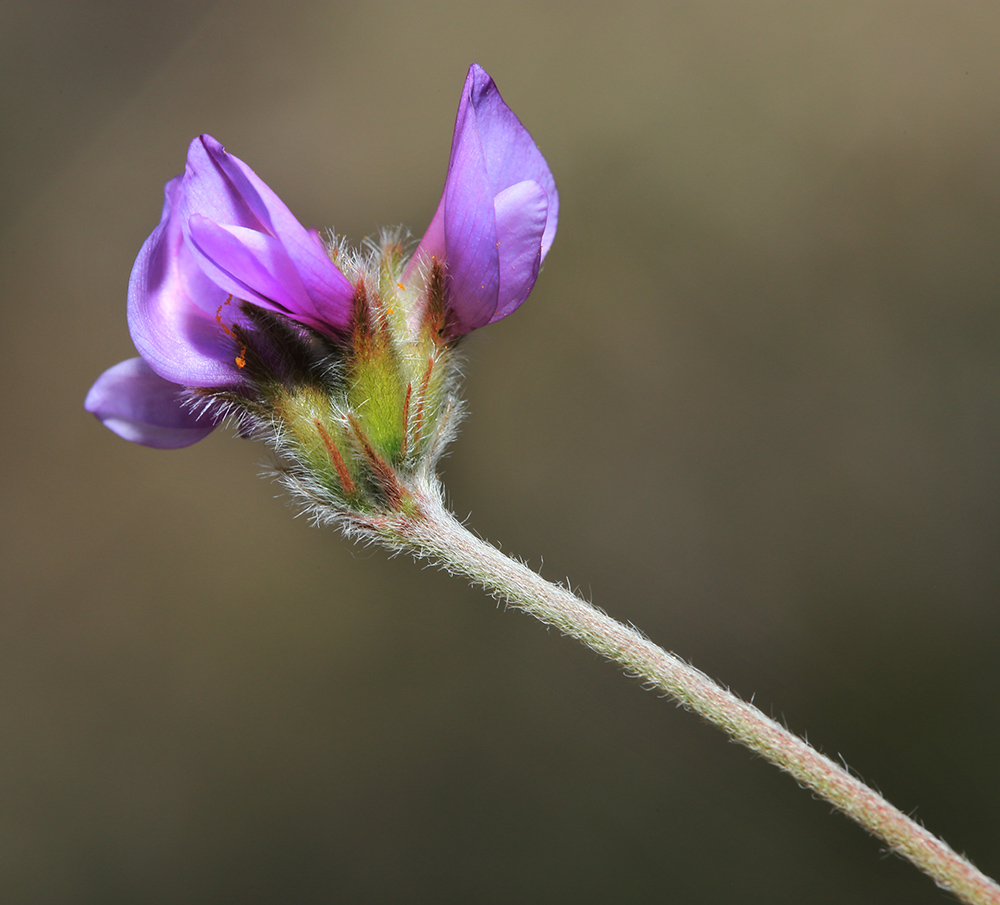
x=521, y=213
x=470, y=234
x=172, y=308
x=497, y=216
x=509, y=150
x=224, y=190
x=251, y=265
x=139, y=405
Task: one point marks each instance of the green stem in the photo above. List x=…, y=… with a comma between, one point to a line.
x=433, y=533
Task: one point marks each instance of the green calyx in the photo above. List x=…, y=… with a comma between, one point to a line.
x=371, y=409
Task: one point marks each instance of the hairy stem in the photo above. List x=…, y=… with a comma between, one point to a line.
x=434, y=533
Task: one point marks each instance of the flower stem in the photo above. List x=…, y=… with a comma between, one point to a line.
x=431, y=532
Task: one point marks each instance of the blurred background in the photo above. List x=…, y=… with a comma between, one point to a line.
x=752, y=406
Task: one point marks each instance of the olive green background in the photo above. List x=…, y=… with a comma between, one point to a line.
x=752, y=406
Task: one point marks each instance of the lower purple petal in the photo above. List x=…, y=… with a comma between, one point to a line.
x=140, y=406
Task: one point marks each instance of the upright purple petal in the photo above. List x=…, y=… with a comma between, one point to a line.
x=498, y=213
x=139, y=405
x=511, y=153
x=470, y=232
x=223, y=193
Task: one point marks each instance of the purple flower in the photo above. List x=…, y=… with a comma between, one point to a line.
x=497, y=216
x=227, y=247
x=224, y=237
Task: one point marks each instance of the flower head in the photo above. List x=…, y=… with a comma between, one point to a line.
x=344, y=362
x=223, y=236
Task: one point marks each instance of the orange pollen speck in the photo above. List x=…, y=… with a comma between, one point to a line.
x=401, y=286
x=218, y=315
x=241, y=359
